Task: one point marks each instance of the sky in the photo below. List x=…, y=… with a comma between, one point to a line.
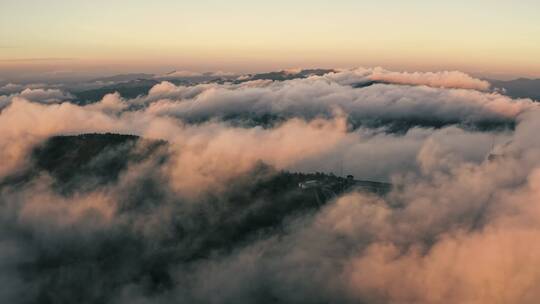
x=489, y=38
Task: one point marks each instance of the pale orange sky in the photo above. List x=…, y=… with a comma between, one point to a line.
x=59, y=36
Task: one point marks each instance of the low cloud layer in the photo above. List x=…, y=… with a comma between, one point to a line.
x=445, y=79
x=203, y=209
x=39, y=95
x=308, y=98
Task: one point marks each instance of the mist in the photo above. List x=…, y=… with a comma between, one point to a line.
x=198, y=191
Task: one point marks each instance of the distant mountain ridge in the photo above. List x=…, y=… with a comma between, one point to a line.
x=129, y=89
x=519, y=88
x=137, y=84
x=123, y=77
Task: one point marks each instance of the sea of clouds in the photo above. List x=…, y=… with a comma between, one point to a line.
x=459, y=226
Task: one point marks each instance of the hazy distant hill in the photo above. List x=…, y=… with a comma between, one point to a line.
x=71, y=160
x=194, y=78
x=133, y=85
x=130, y=89
x=89, y=160
x=124, y=77
x=253, y=206
x=519, y=88
x=286, y=75
x=261, y=199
